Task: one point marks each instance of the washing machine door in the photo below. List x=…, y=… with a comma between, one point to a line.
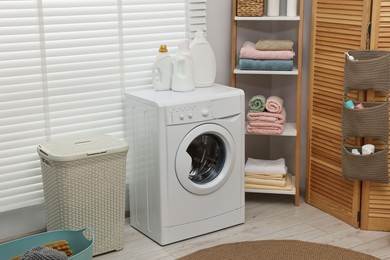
x=204, y=159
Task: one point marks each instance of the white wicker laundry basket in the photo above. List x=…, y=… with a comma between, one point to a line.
x=84, y=184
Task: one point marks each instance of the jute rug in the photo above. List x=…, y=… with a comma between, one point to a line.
x=277, y=250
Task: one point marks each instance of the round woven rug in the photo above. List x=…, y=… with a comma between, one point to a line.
x=277, y=249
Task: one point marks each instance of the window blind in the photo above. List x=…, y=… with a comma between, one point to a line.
x=64, y=69
x=196, y=16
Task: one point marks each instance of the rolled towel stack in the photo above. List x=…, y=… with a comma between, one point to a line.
x=269, y=121
x=272, y=55
x=267, y=174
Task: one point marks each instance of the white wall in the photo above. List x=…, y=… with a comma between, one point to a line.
x=219, y=36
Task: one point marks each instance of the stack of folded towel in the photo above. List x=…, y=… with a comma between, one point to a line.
x=266, y=116
x=274, y=55
x=267, y=175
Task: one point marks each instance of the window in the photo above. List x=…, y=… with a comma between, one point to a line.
x=64, y=68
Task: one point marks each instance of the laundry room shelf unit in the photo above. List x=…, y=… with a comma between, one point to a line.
x=285, y=84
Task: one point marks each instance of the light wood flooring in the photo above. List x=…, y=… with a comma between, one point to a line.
x=267, y=217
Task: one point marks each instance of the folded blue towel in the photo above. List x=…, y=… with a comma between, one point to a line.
x=274, y=65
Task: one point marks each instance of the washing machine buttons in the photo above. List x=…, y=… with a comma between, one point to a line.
x=204, y=112
x=189, y=113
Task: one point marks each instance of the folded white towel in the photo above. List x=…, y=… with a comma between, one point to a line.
x=258, y=166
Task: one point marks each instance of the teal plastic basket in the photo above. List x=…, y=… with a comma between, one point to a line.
x=79, y=243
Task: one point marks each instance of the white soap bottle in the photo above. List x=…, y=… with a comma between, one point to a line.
x=162, y=70
x=182, y=76
x=204, y=62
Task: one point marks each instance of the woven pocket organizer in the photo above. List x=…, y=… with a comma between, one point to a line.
x=372, y=167
x=250, y=7
x=368, y=69
x=371, y=121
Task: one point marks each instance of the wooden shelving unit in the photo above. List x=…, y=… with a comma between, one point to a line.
x=292, y=129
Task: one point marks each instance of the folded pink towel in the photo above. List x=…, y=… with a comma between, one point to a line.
x=270, y=125
x=274, y=104
x=278, y=118
x=249, y=51
x=265, y=128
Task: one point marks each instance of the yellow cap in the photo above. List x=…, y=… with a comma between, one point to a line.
x=163, y=48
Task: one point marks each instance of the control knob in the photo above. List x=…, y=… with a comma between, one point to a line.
x=204, y=112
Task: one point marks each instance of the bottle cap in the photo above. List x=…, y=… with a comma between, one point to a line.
x=163, y=48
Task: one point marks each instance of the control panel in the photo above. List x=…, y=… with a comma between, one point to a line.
x=189, y=113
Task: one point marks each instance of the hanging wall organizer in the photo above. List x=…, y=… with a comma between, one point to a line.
x=366, y=70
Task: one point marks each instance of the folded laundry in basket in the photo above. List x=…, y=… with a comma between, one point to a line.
x=268, y=65
x=61, y=246
x=43, y=253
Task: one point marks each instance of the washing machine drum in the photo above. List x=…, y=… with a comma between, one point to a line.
x=204, y=159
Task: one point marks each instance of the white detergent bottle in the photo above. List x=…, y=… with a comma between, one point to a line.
x=162, y=70
x=182, y=76
x=205, y=65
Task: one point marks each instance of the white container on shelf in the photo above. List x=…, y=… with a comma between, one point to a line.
x=292, y=6
x=182, y=76
x=162, y=70
x=204, y=61
x=273, y=7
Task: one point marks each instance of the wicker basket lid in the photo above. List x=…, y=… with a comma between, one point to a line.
x=80, y=148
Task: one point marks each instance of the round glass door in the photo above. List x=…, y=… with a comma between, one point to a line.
x=204, y=159
x=208, y=155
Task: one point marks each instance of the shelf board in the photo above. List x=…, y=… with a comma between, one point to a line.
x=286, y=192
x=289, y=130
x=267, y=18
x=266, y=72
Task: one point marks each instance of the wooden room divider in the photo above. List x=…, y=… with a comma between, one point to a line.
x=339, y=26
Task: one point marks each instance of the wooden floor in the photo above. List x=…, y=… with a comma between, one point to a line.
x=267, y=217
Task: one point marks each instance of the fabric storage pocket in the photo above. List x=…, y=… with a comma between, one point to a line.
x=366, y=70
x=371, y=167
x=372, y=120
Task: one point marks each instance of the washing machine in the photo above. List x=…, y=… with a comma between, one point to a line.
x=186, y=161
